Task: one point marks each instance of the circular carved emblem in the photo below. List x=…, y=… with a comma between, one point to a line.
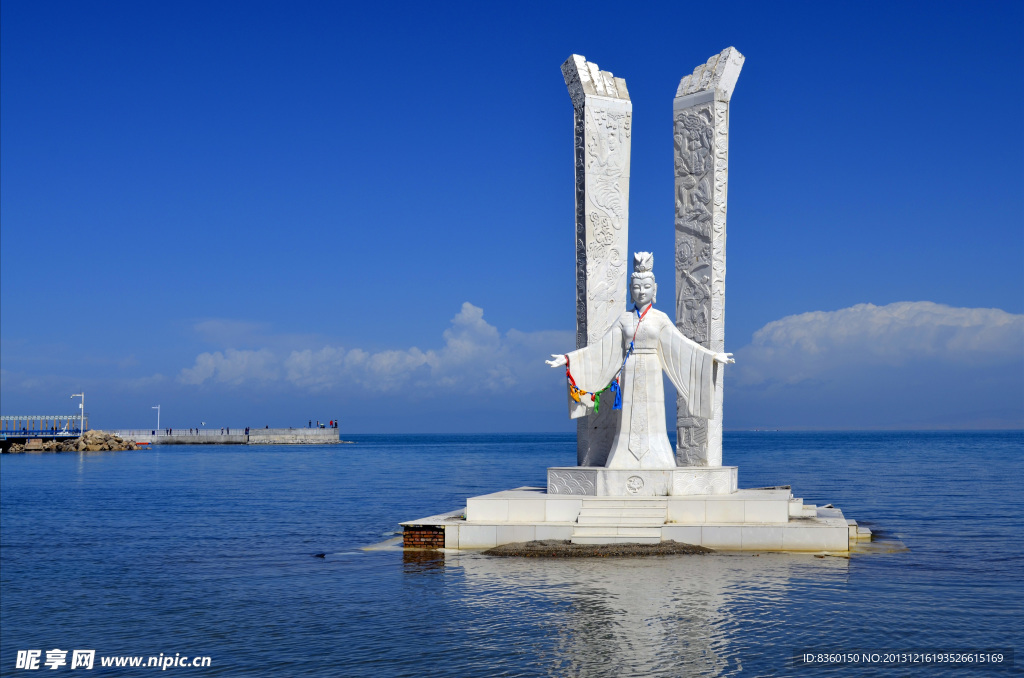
x=634, y=484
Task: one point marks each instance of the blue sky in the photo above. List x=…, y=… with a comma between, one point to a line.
x=260, y=213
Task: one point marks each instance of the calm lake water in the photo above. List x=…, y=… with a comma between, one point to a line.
x=208, y=551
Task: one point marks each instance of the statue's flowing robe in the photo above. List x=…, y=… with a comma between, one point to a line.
x=641, y=440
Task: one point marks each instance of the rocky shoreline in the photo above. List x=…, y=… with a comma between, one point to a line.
x=91, y=441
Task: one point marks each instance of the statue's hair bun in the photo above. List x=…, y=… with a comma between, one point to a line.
x=643, y=262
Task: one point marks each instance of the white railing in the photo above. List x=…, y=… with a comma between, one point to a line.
x=176, y=432
x=45, y=422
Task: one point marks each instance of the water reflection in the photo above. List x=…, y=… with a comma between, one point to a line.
x=416, y=560
x=645, y=616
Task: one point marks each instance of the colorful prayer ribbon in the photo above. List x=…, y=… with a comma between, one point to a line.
x=575, y=392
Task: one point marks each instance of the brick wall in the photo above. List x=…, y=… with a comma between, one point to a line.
x=423, y=537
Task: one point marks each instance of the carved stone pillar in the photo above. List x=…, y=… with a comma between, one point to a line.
x=701, y=131
x=603, y=115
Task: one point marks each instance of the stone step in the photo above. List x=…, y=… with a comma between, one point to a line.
x=616, y=540
x=621, y=520
x=606, y=528
x=633, y=512
x=796, y=508
x=615, y=531
x=592, y=502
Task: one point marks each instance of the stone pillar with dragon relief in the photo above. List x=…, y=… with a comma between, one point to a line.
x=701, y=133
x=602, y=113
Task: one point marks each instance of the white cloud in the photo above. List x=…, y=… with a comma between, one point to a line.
x=334, y=365
x=909, y=364
x=232, y=367
x=475, y=358
x=811, y=345
x=904, y=365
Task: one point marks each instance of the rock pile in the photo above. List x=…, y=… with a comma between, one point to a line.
x=97, y=441
x=92, y=441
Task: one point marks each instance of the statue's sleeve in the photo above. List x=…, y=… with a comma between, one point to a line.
x=592, y=367
x=691, y=368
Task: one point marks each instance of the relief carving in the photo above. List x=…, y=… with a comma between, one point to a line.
x=702, y=177
x=607, y=134
x=700, y=257
x=695, y=162
x=714, y=482
x=579, y=135
x=602, y=127
x=719, y=73
x=691, y=439
x=634, y=484
x=571, y=482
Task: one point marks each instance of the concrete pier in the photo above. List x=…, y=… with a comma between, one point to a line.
x=233, y=436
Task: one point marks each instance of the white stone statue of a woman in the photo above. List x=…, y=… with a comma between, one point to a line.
x=630, y=358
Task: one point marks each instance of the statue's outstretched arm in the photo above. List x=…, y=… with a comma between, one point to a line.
x=594, y=365
x=725, y=358
x=690, y=368
x=558, y=361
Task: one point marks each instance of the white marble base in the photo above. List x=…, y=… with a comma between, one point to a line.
x=596, y=481
x=530, y=505
x=767, y=519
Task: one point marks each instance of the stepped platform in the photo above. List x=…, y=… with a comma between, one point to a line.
x=760, y=519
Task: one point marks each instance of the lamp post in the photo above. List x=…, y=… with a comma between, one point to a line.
x=157, y=408
x=81, y=406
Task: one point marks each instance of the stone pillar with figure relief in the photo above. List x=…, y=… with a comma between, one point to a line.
x=701, y=134
x=602, y=115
